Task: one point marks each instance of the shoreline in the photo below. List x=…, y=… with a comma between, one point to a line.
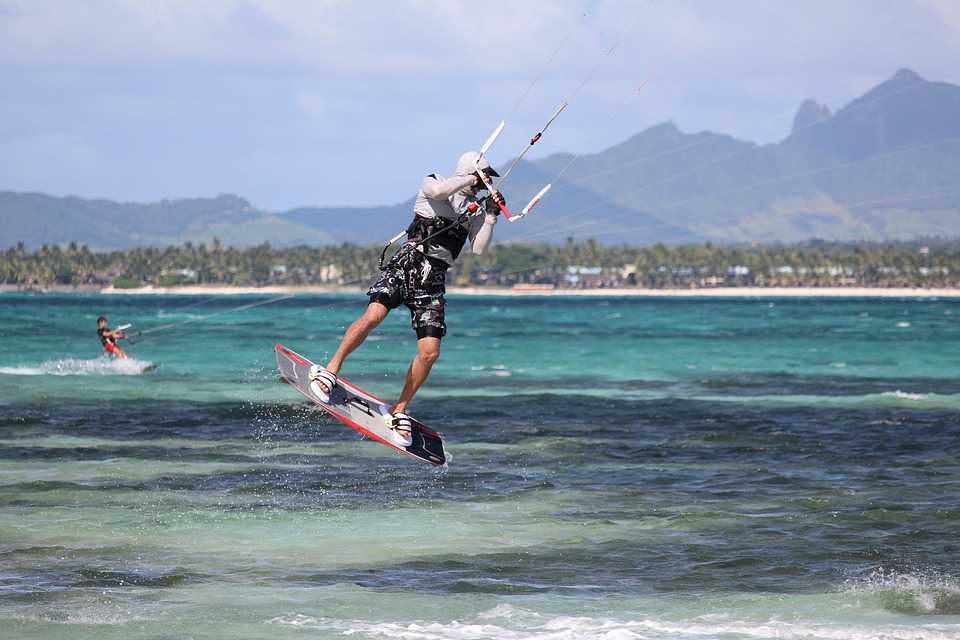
x=726, y=292
x=719, y=292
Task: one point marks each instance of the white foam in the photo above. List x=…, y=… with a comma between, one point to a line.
x=518, y=624
x=498, y=370
x=908, y=592
x=507, y=611
x=89, y=615
x=903, y=395
x=102, y=366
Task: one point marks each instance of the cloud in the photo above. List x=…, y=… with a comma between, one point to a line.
x=948, y=10
x=290, y=100
x=325, y=34
x=499, y=37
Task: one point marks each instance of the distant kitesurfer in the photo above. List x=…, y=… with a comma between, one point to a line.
x=447, y=212
x=109, y=338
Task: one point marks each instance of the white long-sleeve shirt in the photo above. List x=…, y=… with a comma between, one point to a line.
x=448, y=198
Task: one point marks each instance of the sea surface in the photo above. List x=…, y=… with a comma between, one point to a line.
x=621, y=469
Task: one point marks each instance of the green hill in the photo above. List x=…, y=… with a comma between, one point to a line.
x=35, y=219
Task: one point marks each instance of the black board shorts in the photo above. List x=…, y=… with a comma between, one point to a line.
x=413, y=279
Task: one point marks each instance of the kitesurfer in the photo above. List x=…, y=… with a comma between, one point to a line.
x=109, y=338
x=447, y=213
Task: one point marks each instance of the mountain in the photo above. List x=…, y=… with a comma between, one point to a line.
x=884, y=166
x=379, y=223
x=809, y=114
x=35, y=219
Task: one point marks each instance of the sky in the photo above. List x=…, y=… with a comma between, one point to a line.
x=318, y=103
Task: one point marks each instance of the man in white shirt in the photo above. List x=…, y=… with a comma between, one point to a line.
x=447, y=213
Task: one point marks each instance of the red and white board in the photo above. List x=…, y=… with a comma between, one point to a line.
x=359, y=409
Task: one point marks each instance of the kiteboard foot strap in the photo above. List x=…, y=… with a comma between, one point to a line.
x=322, y=382
x=402, y=426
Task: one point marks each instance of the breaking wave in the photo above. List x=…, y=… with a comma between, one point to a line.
x=102, y=366
x=505, y=622
x=911, y=594
x=903, y=395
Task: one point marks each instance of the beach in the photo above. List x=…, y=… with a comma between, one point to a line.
x=724, y=292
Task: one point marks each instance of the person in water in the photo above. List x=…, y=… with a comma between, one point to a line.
x=109, y=338
x=447, y=213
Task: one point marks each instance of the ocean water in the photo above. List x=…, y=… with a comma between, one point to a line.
x=621, y=469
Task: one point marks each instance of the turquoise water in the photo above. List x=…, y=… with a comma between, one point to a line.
x=621, y=468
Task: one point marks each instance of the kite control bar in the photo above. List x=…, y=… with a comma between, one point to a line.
x=483, y=174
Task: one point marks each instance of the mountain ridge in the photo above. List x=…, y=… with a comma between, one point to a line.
x=882, y=166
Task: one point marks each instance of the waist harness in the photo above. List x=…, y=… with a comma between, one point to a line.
x=426, y=232
x=449, y=234
x=104, y=339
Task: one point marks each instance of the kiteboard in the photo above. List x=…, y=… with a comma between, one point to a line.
x=359, y=409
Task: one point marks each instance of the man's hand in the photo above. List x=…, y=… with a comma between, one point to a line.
x=492, y=203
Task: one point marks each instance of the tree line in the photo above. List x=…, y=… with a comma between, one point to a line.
x=932, y=263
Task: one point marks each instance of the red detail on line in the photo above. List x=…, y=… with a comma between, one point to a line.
x=534, y=139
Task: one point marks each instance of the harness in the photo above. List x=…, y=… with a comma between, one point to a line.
x=104, y=339
x=424, y=233
x=449, y=234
